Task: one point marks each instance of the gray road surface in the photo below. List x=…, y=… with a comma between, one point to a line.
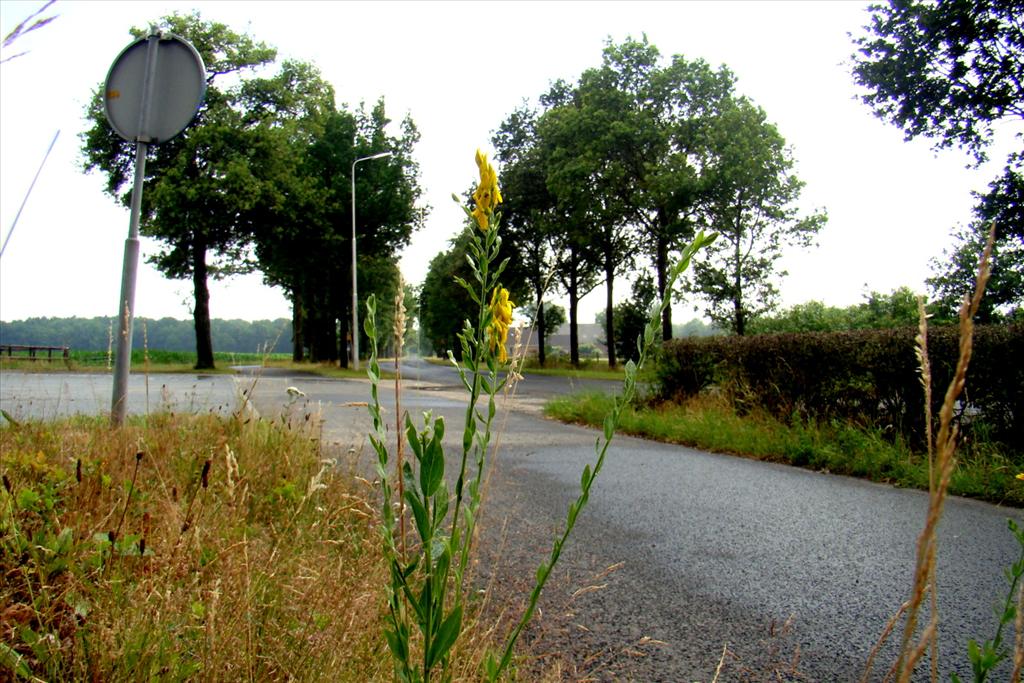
x=680, y=552
x=48, y=395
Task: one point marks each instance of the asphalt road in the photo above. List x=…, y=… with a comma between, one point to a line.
x=681, y=553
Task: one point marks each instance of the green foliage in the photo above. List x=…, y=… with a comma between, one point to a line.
x=630, y=133
x=665, y=148
x=954, y=273
x=953, y=72
x=305, y=243
x=878, y=311
x=444, y=304
x=753, y=208
x=944, y=70
x=864, y=376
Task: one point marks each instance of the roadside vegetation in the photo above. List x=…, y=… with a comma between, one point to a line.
x=985, y=470
x=184, y=547
x=187, y=547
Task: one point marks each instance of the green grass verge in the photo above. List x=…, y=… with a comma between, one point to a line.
x=982, y=472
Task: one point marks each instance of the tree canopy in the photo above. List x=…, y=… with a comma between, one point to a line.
x=752, y=206
x=953, y=71
x=944, y=70
x=624, y=165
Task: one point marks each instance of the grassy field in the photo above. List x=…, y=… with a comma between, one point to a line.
x=983, y=470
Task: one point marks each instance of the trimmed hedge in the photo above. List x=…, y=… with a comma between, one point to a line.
x=865, y=376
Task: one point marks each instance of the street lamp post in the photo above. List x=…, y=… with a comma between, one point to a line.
x=355, y=296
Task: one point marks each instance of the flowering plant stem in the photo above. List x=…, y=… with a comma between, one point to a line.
x=426, y=587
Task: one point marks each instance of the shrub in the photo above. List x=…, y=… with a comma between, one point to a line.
x=863, y=376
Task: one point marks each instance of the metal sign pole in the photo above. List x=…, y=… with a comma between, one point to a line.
x=126, y=304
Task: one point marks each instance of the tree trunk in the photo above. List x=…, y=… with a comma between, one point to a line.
x=661, y=264
x=737, y=297
x=201, y=312
x=574, y=337
x=539, y=297
x=609, y=307
x=298, y=346
x=540, y=331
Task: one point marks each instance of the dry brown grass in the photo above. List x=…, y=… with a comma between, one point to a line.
x=237, y=554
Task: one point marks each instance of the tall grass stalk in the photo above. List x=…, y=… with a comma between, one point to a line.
x=941, y=463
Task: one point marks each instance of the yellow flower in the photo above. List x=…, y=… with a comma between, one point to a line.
x=501, y=320
x=1021, y=476
x=481, y=218
x=487, y=195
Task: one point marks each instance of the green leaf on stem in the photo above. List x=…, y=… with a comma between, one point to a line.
x=419, y=513
x=445, y=637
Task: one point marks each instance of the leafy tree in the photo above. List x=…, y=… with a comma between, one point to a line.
x=633, y=157
x=898, y=308
x=752, y=207
x=305, y=245
x=550, y=214
x=954, y=273
x=944, y=70
x=879, y=310
x=444, y=304
x=695, y=327
x=952, y=71
x=165, y=334
x=811, y=316
x=527, y=214
x=658, y=120
x=201, y=186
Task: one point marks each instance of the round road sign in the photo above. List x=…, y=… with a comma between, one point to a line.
x=177, y=90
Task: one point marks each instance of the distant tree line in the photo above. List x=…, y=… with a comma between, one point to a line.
x=165, y=334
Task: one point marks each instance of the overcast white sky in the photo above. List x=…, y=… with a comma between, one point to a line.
x=459, y=68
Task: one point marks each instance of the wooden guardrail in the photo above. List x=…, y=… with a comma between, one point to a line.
x=28, y=352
